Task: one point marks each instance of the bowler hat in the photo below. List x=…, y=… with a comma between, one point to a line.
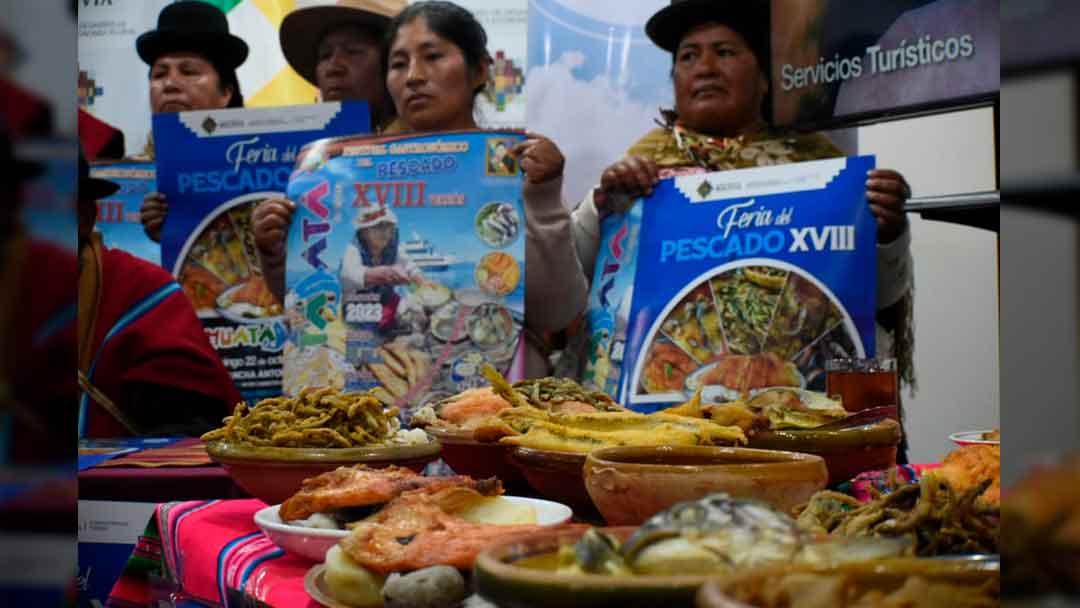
x=303, y=28
x=193, y=26
x=750, y=18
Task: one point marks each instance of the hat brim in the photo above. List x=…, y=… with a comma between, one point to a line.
x=303, y=29
x=93, y=188
x=668, y=26
x=225, y=49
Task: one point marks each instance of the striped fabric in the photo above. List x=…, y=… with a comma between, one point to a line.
x=212, y=550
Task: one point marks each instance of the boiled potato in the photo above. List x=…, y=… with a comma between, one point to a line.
x=496, y=510
x=351, y=584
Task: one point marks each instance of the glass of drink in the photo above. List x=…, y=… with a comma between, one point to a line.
x=862, y=383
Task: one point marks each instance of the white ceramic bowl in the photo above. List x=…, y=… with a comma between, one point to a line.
x=313, y=543
x=972, y=438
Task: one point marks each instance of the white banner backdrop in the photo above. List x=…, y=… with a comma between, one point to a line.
x=595, y=82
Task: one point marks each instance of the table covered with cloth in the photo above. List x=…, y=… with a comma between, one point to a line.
x=211, y=552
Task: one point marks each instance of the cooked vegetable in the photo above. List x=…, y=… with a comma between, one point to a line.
x=317, y=417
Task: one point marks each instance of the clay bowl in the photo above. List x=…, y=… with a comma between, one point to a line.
x=479, y=460
x=847, y=452
x=273, y=474
x=885, y=575
x=556, y=476
x=630, y=484
x=501, y=577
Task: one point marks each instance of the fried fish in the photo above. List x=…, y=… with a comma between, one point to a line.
x=421, y=529
x=360, y=486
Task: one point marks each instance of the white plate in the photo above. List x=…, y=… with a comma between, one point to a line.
x=313, y=543
x=718, y=393
x=972, y=437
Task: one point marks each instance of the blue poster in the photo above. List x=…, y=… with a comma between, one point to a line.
x=732, y=282
x=118, y=214
x=406, y=264
x=214, y=167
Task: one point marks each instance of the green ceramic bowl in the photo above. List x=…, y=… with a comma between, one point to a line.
x=500, y=577
x=273, y=474
x=847, y=452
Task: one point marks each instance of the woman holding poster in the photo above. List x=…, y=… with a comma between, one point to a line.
x=437, y=64
x=193, y=60
x=720, y=75
x=375, y=262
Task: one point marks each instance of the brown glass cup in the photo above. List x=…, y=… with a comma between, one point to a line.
x=862, y=383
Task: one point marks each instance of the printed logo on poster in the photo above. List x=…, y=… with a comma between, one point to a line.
x=733, y=282
x=406, y=264
x=215, y=167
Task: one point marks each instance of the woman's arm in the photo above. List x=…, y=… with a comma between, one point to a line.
x=555, y=286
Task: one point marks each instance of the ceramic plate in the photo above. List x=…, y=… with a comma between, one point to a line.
x=973, y=438
x=313, y=543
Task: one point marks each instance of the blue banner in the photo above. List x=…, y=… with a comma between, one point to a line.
x=732, y=282
x=214, y=167
x=406, y=263
x=118, y=215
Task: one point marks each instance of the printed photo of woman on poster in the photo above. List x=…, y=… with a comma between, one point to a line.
x=375, y=263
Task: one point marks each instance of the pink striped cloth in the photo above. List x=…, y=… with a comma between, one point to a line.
x=214, y=550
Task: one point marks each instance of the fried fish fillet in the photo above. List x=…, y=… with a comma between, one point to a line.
x=420, y=529
x=967, y=466
x=360, y=486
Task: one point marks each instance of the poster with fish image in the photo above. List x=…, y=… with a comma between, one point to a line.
x=118, y=218
x=406, y=264
x=732, y=282
x=214, y=167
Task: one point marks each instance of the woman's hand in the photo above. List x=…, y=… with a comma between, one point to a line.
x=386, y=275
x=152, y=215
x=540, y=159
x=625, y=181
x=886, y=191
x=270, y=224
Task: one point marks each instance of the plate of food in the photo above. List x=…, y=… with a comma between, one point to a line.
x=990, y=437
x=248, y=302
x=490, y=325
x=432, y=295
x=431, y=525
x=448, y=323
x=497, y=224
x=328, y=506
x=732, y=376
x=270, y=448
x=662, y=562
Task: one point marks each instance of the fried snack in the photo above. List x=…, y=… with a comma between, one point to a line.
x=417, y=530
x=402, y=369
x=967, y=466
x=316, y=418
x=534, y=428
x=361, y=486
x=791, y=408
x=732, y=413
x=937, y=518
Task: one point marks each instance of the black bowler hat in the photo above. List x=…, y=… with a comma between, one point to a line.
x=92, y=188
x=193, y=26
x=750, y=18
